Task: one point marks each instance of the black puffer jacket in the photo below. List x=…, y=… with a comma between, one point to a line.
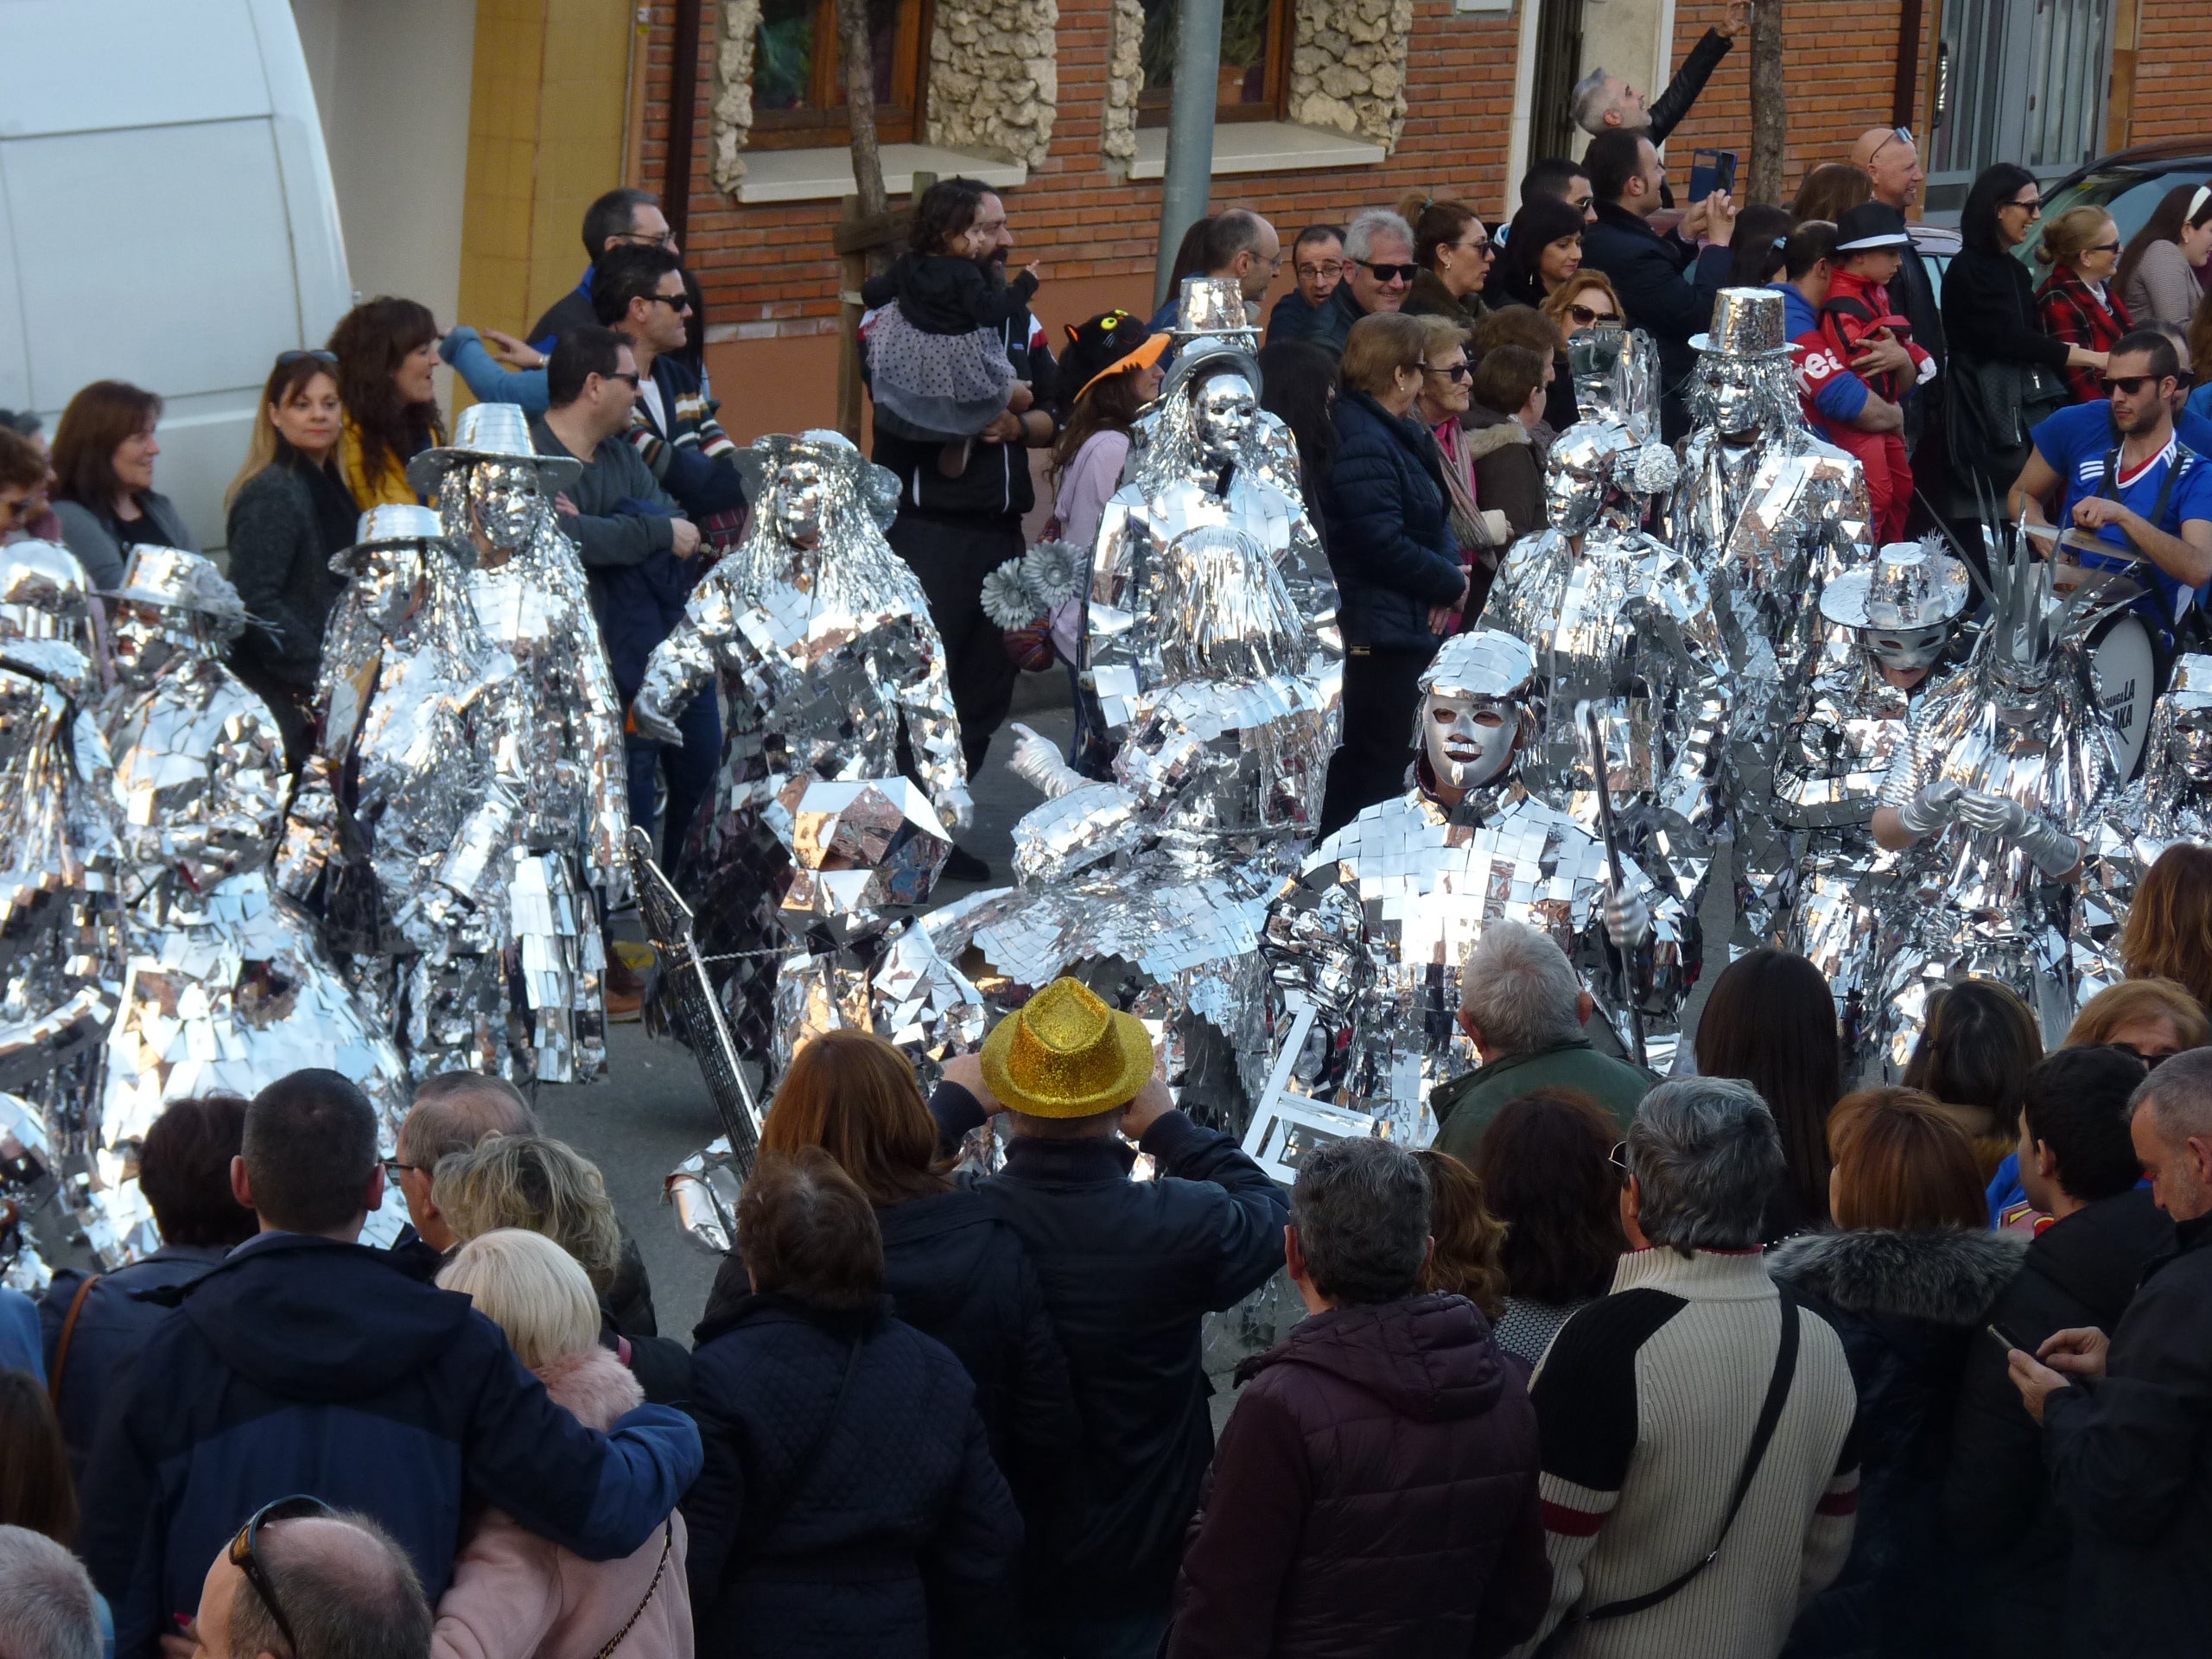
x=1390, y=542
x=1374, y=1492
x=2013, y=1540
x=1907, y=1306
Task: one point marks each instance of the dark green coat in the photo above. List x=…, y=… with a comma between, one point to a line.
x=1464, y=1106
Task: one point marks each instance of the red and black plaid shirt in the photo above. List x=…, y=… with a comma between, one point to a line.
x=2067, y=308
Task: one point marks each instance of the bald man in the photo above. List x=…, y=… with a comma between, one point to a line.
x=1889, y=157
x=345, y=1587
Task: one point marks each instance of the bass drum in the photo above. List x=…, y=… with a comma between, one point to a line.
x=2129, y=662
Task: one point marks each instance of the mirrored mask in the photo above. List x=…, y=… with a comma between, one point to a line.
x=1224, y=411
x=389, y=581
x=1732, y=398
x=504, y=501
x=1469, y=741
x=802, y=494
x=2191, y=744
x=1907, y=649
x=143, y=642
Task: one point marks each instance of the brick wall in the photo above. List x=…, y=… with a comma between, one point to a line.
x=2170, y=66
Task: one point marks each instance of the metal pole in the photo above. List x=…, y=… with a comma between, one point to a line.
x=1188, y=183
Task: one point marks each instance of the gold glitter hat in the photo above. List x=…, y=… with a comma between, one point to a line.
x=1064, y=1053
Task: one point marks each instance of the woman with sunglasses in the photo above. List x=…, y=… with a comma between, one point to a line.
x=2157, y=273
x=2078, y=302
x=1453, y=250
x=1543, y=248
x=2005, y=367
x=1441, y=405
x=104, y=493
x=289, y=512
x=387, y=352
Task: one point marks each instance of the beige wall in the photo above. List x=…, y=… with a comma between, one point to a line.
x=1631, y=39
x=393, y=81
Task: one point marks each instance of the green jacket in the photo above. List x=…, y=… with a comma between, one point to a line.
x=1464, y=1106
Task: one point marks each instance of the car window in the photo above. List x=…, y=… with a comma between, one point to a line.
x=2127, y=194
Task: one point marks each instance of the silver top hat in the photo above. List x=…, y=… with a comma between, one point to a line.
x=1909, y=585
x=391, y=525
x=1481, y=663
x=2191, y=685
x=174, y=580
x=1747, y=323
x=41, y=585
x=490, y=432
x=1213, y=306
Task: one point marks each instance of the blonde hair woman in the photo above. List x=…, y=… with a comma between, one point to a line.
x=515, y=1595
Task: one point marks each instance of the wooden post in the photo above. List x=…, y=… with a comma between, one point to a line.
x=861, y=239
x=1770, y=108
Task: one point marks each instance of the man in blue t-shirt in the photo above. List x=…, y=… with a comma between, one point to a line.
x=2122, y=476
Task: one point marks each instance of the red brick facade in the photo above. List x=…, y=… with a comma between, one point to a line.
x=770, y=275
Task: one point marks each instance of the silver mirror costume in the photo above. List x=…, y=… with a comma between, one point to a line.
x=1850, y=722
x=228, y=986
x=1619, y=620
x=2170, y=802
x=62, y=929
x=405, y=819
x=1213, y=308
x=1211, y=651
x=1769, y=514
x=1372, y=930
x=2001, y=777
x=560, y=724
x=819, y=637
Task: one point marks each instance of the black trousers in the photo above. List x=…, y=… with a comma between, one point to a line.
x=952, y=558
x=1381, y=698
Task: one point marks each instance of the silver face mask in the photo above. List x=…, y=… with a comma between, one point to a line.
x=504, y=502
x=2191, y=744
x=143, y=641
x=1224, y=410
x=802, y=492
x=1469, y=741
x=1731, y=397
x=389, y=581
x=1907, y=649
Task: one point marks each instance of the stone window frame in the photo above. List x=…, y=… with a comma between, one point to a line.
x=989, y=82
x=1347, y=73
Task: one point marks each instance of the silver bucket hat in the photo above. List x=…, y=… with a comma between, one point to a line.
x=490, y=432
x=391, y=525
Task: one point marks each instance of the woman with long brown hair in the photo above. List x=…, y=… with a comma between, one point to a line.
x=36, y=1491
x=2157, y=272
x=290, y=511
x=1467, y=1240
x=1770, y=1021
x=1974, y=1055
x=1453, y=250
x=104, y=492
x=1830, y=190
x=387, y=352
x=951, y=1266
x=1907, y=1284
x=1546, y=1172
x=2169, y=932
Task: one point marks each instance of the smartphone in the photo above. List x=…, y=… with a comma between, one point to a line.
x=1710, y=170
x=2006, y=1339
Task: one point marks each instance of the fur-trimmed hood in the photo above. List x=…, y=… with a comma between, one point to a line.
x=1947, y=1275
x=1481, y=438
x=594, y=1386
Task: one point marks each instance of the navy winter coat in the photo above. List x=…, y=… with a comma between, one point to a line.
x=305, y=1365
x=1375, y=1493
x=1129, y=1268
x=956, y=1272
x=111, y=1325
x=898, y=1540
x=1649, y=272
x=1389, y=537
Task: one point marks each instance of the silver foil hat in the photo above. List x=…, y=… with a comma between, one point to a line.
x=393, y=525
x=175, y=580
x=1909, y=585
x=2191, y=685
x=41, y=586
x=490, y=432
x=1213, y=306
x=1482, y=663
x=1207, y=359
x=758, y=465
x=1747, y=323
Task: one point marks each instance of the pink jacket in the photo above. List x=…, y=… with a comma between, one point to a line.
x=516, y=1595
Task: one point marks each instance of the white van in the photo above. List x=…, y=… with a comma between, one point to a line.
x=166, y=218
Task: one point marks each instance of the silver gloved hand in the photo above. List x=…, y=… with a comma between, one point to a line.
x=1628, y=921
x=2049, y=847
x=650, y=720
x=1932, y=807
x=1036, y=760
x=957, y=808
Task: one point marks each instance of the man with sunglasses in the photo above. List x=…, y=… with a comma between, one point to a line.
x=307, y=1362
x=2121, y=476
x=1378, y=274
x=302, y=1580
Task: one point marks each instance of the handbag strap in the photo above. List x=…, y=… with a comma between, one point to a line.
x=667, y=1545
x=68, y=1332
x=1777, y=1396
x=760, y=1525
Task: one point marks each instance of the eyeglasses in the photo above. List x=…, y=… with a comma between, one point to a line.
x=2151, y=1062
x=678, y=303
x=632, y=378
x=395, y=1168
x=1894, y=136
x=1450, y=371
x=1327, y=268
x=285, y=359
x=1481, y=250
x=1386, y=274
x=640, y=239
x=2032, y=209
x=2130, y=385
x=1619, y=1156
x=1585, y=316
x=245, y=1555
x=2103, y=247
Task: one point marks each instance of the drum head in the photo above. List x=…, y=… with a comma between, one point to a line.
x=2123, y=656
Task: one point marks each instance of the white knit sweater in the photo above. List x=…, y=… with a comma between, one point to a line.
x=1647, y=1400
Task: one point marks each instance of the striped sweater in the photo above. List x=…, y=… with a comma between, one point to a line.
x=1646, y=1402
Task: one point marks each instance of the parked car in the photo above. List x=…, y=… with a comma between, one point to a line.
x=2128, y=184
x=1937, y=245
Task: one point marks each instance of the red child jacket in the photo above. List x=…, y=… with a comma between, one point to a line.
x=1856, y=309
